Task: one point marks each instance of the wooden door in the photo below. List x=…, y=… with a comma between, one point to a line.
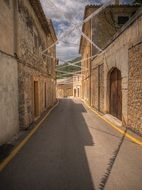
x=36, y=99
x=115, y=94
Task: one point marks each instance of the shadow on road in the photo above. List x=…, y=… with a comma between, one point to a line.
x=111, y=163
x=55, y=157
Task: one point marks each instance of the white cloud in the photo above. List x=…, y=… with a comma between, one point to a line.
x=64, y=14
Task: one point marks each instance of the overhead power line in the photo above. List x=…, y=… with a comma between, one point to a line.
x=82, y=60
x=80, y=24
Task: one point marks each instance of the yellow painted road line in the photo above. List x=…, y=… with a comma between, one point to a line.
x=27, y=138
x=135, y=140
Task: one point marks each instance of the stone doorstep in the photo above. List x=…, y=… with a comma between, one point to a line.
x=113, y=120
x=119, y=124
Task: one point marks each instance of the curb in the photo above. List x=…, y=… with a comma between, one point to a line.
x=133, y=139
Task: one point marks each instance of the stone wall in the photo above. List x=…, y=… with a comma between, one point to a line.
x=94, y=87
x=101, y=88
x=30, y=35
x=123, y=53
x=22, y=39
x=100, y=29
x=27, y=76
x=64, y=90
x=31, y=40
x=86, y=75
x=6, y=26
x=135, y=88
x=107, y=23
x=97, y=84
x=77, y=81
x=8, y=97
x=116, y=56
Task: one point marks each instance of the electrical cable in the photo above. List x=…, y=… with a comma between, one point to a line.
x=96, y=12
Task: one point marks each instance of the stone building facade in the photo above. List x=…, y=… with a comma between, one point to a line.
x=37, y=80
x=77, y=88
x=100, y=29
x=28, y=79
x=115, y=75
x=135, y=79
x=64, y=90
x=8, y=74
x=64, y=87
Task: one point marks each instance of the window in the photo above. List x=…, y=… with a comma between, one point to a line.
x=29, y=23
x=37, y=41
x=122, y=19
x=49, y=62
x=7, y=2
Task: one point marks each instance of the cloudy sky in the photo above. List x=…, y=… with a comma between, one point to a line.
x=65, y=14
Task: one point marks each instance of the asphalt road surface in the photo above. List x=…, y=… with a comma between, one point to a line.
x=75, y=150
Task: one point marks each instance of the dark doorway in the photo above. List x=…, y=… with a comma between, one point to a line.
x=36, y=99
x=115, y=94
x=74, y=92
x=78, y=92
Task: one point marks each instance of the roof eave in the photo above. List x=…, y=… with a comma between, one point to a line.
x=52, y=30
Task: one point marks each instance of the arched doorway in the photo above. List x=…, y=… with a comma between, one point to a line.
x=115, y=101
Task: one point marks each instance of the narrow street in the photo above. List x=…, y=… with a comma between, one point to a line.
x=75, y=150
